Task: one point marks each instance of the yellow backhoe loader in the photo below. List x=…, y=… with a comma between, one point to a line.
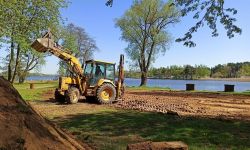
x=95, y=80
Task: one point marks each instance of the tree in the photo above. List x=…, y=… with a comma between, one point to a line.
x=208, y=12
x=29, y=61
x=188, y=72
x=176, y=72
x=245, y=70
x=231, y=70
x=144, y=26
x=78, y=43
x=23, y=22
x=202, y=71
x=221, y=71
x=109, y=3
x=234, y=69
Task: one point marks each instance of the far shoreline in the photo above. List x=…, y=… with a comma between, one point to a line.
x=205, y=79
x=227, y=79
x=244, y=79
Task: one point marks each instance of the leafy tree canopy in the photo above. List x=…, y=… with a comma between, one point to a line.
x=206, y=12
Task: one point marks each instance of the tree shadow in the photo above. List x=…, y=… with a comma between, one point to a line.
x=196, y=132
x=56, y=102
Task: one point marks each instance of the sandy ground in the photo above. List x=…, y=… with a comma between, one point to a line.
x=182, y=103
x=189, y=104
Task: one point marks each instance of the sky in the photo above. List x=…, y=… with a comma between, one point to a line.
x=99, y=22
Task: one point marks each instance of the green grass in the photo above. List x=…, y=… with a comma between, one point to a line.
x=39, y=89
x=114, y=129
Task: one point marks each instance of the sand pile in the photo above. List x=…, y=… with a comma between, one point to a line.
x=23, y=128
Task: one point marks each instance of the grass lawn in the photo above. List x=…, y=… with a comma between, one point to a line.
x=115, y=128
x=39, y=89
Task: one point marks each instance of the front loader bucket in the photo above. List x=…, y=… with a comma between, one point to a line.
x=42, y=44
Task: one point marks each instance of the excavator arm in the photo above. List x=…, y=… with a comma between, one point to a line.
x=46, y=43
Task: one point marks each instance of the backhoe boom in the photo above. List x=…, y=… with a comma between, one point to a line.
x=46, y=43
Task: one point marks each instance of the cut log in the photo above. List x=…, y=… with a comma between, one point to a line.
x=229, y=88
x=190, y=87
x=174, y=145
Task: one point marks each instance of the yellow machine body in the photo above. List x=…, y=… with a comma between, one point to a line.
x=84, y=82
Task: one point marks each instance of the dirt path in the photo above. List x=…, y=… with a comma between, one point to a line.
x=183, y=103
x=189, y=104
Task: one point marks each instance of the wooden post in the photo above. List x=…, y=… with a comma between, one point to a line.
x=190, y=87
x=31, y=85
x=174, y=145
x=228, y=88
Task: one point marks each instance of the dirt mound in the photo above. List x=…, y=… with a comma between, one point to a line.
x=23, y=128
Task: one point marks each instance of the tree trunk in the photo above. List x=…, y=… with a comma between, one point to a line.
x=11, y=61
x=21, y=79
x=144, y=78
x=16, y=65
x=21, y=76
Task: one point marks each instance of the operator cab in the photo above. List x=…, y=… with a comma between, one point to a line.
x=96, y=70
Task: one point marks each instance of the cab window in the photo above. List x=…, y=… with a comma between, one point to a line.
x=99, y=70
x=110, y=72
x=88, y=69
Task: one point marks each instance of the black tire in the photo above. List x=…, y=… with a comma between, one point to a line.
x=106, y=93
x=72, y=95
x=59, y=97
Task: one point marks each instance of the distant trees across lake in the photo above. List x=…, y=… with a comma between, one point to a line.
x=229, y=70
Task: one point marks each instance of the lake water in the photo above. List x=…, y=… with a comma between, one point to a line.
x=210, y=85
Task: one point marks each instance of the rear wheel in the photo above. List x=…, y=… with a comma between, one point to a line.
x=72, y=95
x=58, y=96
x=106, y=93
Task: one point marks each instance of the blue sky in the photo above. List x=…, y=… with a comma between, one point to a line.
x=98, y=21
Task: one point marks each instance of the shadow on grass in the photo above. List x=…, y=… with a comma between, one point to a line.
x=63, y=102
x=198, y=133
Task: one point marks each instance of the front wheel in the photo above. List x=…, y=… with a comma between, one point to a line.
x=106, y=93
x=72, y=95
